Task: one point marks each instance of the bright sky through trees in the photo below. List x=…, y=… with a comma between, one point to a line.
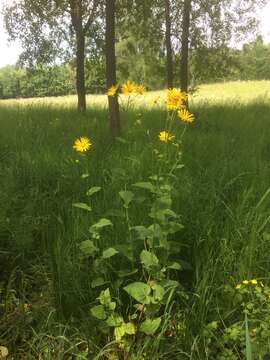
x=9, y=52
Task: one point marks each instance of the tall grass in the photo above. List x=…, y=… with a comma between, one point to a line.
x=222, y=194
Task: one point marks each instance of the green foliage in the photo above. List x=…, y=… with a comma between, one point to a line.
x=51, y=257
x=248, y=331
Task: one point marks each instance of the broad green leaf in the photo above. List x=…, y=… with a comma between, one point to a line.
x=98, y=282
x=98, y=312
x=115, y=320
x=93, y=190
x=142, y=231
x=105, y=297
x=126, y=273
x=149, y=327
x=88, y=248
x=158, y=293
x=174, y=227
x=112, y=305
x=130, y=328
x=127, y=197
x=148, y=259
x=101, y=224
x=119, y=332
x=175, y=266
x=82, y=206
x=145, y=185
x=109, y=253
x=139, y=291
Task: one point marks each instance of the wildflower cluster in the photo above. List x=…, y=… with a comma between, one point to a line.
x=248, y=282
x=176, y=99
x=176, y=105
x=128, y=88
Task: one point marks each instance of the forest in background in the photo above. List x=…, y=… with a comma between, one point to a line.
x=207, y=65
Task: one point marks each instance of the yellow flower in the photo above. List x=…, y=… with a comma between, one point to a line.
x=165, y=136
x=254, y=282
x=112, y=90
x=82, y=144
x=175, y=99
x=245, y=282
x=128, y=88
x=185, y=116
x=140, y=89
x=238, y=286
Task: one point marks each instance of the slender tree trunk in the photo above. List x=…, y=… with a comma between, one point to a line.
x=185, y=46
x=76, y=16
x=169, y=45
x=111, y=67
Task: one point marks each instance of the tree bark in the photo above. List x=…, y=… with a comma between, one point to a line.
x=169, y=45
x=185, y=46
x=114, y=113
x=77, y=22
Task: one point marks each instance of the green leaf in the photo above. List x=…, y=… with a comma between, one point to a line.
x=149, y=327
x=98, y=282
x=98, y=312
x=175, y=266
x=88, y=248
x=109, y=253
x=100, y=224
x=142, y=231
x=139, y=291
x=105, y=297
x=145, y=185
x=82, y=206
x=148, y=259
x=119, y=332
x=93, y=190
x=130, y=328
x=115, y=320
x=126, y=273
x=112, y=305
x=127, y=197
x=158, y=293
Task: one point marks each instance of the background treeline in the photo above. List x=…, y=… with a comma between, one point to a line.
x=206, y=65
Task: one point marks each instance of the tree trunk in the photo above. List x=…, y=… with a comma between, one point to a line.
x=76, y=16
x=185, y=46
x=111, y=67
x=169, y=46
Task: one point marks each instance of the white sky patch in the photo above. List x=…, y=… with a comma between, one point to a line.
x=9, y=52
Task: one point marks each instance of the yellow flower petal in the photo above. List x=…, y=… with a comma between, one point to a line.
x=82, y=144
x=112, y=90
x=185, y=116
x=165, y=136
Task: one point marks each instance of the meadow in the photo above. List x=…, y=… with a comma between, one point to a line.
x=73, y=226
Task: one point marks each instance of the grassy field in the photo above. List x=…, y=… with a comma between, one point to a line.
x=222, y=195
x=241, y=92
